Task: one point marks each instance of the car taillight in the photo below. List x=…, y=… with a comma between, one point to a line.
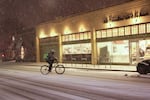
x=3, y=55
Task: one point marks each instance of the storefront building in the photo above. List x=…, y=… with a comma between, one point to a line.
x=114, y=35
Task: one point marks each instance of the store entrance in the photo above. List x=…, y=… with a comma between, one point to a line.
x=134, y=55
x=139, y=51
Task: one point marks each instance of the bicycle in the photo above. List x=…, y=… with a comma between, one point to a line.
x=59, y=69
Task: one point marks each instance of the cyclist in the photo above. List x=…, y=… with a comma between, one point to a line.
x=51, y=58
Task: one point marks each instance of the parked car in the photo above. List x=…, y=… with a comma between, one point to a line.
x=143, y=67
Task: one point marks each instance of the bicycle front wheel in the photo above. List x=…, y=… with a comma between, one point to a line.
x=44, y=69
x=60, y=69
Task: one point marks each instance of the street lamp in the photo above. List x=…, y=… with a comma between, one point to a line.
x=13, y=38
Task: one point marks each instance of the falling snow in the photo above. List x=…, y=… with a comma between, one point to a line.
x=19, y=14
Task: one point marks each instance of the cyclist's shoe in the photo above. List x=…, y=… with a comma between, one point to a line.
x=49, y=70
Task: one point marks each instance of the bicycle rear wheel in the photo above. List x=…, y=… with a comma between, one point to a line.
x=60, y=69
x=44, y=69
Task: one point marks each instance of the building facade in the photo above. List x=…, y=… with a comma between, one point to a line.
x=115, y=35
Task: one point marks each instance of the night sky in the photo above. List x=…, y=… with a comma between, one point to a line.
x=21, y=14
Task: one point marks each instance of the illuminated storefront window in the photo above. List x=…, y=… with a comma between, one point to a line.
x=77, y=36
x=127, y=30
x=134, y=29
x=89, y=35
x=142, y=29
x=115, y=32
x=77, y=52
x=148, y=28
x=85, y=35
x=70, y=37
x=121, y=31
x=113, y=52
x=140, y=50
x=63, y=38
x=73, y=37
x=67, y=38
x=98, y=34
x=144, y=49
x=84, y=48
x=120, y=50
x=104, y=50
x=109, y=33
x=104, y=35
x=81, y=36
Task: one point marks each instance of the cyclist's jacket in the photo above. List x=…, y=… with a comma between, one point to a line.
x=51, y=57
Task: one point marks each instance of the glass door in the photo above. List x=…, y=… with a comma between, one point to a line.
x=134, y=52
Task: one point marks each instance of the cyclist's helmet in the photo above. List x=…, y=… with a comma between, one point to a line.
x=52, y=51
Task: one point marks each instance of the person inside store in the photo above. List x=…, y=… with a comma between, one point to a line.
x=141, y=52
x=51, y=58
